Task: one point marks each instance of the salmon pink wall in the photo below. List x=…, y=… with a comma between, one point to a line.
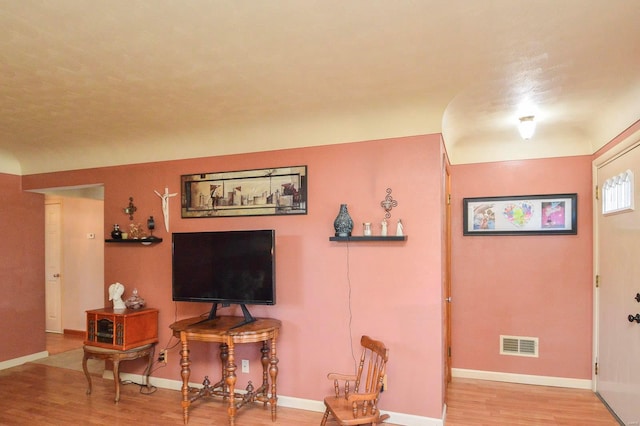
x=327, y=292
x=534, y=286
x=21, y=270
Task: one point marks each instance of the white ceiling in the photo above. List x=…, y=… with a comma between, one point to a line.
x=98, y=83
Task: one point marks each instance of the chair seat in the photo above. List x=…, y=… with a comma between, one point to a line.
x=341, y=409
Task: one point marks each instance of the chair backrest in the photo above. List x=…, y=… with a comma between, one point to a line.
x=373, y=362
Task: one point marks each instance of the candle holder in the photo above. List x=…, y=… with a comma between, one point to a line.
x=388, y=203
x=130, y=209
x=151, y=225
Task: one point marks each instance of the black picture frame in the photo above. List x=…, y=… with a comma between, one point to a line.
x=278, y=191
x=550, y=214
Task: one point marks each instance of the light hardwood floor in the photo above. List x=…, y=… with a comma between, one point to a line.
x=58, y=343
x=44, y=395
x=486, y=403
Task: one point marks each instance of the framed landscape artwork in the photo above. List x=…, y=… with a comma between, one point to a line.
x=554, y=214
x=260, y=192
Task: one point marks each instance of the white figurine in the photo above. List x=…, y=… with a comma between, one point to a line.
x=399, y=229
x=115, y=294
x=383, y=232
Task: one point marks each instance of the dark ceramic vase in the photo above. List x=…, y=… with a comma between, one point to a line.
x=343, y=223
x=116, y=234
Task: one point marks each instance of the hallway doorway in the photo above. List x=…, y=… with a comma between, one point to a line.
x=79, y=274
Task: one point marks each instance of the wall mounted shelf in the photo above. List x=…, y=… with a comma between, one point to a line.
x=371, y=238
x=143, y=241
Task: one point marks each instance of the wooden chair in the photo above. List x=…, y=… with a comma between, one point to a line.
x=360, y=405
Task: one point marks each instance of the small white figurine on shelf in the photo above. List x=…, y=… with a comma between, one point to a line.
x=115, y=294
x=399, y=229
x=383, y=231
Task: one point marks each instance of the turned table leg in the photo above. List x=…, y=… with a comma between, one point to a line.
x=231, y=383
x=273, y=371
x=264, y=359
x=185, y=373
x=224, y=357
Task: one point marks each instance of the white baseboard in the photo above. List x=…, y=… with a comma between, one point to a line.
x=561, y=382
x=284, y=401
x=23, y=359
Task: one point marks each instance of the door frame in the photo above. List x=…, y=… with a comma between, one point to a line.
x=626, y=144
x=446, y=293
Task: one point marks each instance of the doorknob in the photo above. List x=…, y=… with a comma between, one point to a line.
x=56, y=275
x=447, y=299
x=635, y=318
x=637, y=297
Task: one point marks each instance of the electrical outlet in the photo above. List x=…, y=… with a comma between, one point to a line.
x=245, y=365
x=162, y=357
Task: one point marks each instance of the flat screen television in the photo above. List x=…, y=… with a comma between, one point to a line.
x=225, y=267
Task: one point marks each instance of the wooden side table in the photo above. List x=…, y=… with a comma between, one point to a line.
x=116, y=356
x=221, y=330
x=120, y=335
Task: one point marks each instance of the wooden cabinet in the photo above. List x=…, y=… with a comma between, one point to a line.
x=121, y=329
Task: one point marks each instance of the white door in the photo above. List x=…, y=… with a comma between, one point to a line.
x=53, y=262
x=618, y=267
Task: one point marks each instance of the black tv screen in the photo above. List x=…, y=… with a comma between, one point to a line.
x=225, y=267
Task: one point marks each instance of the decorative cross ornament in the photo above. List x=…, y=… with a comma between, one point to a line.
x=130, y=209
x=165, y=205
x=388, y=203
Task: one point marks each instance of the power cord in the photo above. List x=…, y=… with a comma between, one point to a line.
x=156, y=361
x=144, y=389
x=350, y=310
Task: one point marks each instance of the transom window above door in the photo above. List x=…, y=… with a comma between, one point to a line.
x=617, y=193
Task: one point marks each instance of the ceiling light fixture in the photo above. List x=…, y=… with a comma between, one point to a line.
x=527, y=126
